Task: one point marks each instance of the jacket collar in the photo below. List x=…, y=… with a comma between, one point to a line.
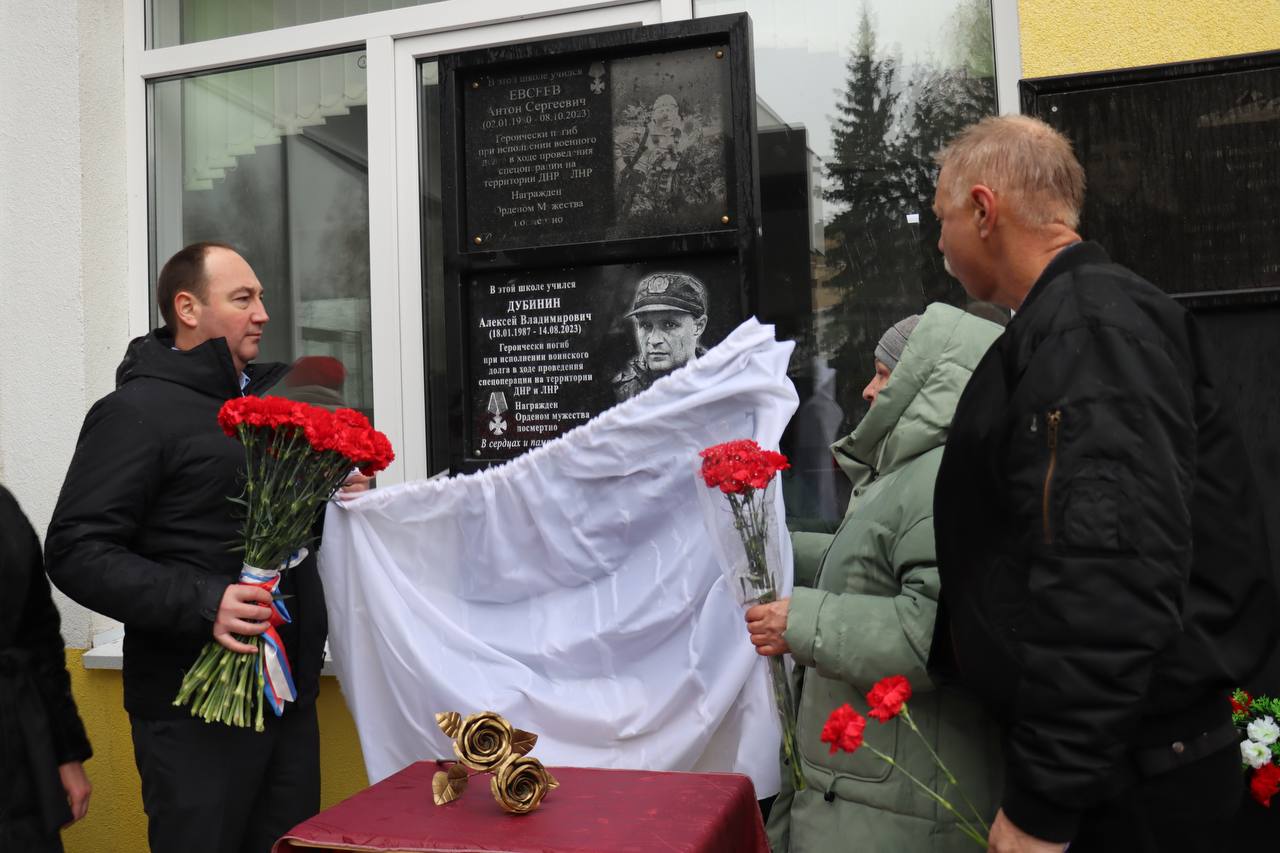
x=913, y=412
x=1068, y=260
x=207, y=368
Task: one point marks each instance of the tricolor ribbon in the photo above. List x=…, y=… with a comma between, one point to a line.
x=277, y=675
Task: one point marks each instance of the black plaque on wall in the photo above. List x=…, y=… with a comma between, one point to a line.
x=587, y=151
x=552, y=348
x=1183, y=170
x=601, y=209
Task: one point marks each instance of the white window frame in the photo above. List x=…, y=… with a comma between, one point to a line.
x=1008, y=53
x=393, y=42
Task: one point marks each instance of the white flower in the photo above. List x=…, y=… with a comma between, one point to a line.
x=1255, y=754
x=1264, y=731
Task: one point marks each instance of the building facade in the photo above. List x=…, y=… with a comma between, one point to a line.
x=307, y=133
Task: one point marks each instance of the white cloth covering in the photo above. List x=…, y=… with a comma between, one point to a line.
x=574, y=590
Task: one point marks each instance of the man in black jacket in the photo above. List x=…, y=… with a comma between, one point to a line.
x=42, y=741
x=143, y=532
x=1104, y=566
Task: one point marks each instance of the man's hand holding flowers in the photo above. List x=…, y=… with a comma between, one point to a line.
x=244, y=610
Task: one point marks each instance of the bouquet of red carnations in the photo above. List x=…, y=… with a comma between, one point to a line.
x=888, y=699
x=1255, y=718
x=743, y=472
x=296, y=455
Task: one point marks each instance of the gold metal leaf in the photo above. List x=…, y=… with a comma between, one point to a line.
x=552, y=782
x=448, y=786
x=449, y=723
x=522, y=742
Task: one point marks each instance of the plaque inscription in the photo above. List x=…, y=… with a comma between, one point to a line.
x=551, y=349
x=595, y=150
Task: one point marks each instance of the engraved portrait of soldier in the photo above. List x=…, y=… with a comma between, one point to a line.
x=668, y=143
x=668, y=316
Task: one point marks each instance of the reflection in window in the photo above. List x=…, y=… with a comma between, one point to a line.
x=852, y=102
x=185, y=21
x=274, y=161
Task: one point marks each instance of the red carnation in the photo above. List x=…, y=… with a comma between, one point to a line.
x=888, y=697
x=738, y=467
x=1238, y=707
x=843, y=729
x=1265, y=783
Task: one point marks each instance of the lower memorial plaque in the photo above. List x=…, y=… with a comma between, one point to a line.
x=551, y=349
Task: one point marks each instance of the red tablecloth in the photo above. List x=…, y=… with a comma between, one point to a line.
x=592, y=811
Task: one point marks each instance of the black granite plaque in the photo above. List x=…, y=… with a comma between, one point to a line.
x=599, y=200
x=596, y=149
x=551, y=349
x=1183, y=171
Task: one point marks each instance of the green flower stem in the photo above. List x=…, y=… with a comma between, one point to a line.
x=965, y=826
x=786, y=713
x=906, y=715
x=241, y=680
x=260, y=700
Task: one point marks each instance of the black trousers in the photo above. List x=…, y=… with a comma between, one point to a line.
x=1188, y=810
x=211, y=788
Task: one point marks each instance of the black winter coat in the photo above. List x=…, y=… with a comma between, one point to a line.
x=1105, y=573
x=39, y=726
x=144, y=531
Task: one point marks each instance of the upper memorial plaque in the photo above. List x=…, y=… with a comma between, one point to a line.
x=597, y=149
x=1183, y=170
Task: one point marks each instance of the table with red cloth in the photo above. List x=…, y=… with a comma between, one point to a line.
x=592, y=811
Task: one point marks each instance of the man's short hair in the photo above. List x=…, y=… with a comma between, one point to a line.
x=1024, y=160
x=184, y=271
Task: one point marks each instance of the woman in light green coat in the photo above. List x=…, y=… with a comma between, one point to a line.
x=863, y=609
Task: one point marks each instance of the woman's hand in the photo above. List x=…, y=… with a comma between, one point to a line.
x=766, y=623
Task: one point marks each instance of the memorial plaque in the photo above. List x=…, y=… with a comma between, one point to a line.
x=595, y=149
x=600, y=210
x=1183, y=171
x=551, y=349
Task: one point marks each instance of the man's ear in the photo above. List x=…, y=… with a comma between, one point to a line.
x=186, y=309
x=986, y=208
x=700, y=324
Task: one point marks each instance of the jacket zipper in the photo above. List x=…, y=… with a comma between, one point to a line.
x=1052, y=421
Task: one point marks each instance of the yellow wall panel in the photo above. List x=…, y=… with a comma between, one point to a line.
x=1073, y=36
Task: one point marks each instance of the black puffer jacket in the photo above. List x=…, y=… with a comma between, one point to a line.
x=144, y=528
x=1104, y=567
x=39, y=726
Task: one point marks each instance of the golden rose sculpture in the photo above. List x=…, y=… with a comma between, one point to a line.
x=520, y=783
x=487, y=743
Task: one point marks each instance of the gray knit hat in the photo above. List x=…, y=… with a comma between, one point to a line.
x=894, y=341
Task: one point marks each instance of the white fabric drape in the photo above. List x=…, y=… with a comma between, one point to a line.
x=573, y=590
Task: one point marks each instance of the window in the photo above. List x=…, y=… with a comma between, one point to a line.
x=185, y=21
x=852, y=101
x=274, y=161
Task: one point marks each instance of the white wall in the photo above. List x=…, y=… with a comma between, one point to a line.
x=63, y=306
